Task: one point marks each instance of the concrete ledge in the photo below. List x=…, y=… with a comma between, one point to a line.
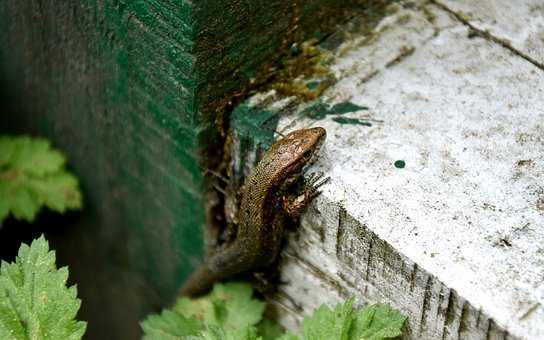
x=519, y=25
x=436, y=202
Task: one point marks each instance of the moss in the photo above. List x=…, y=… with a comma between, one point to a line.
x=304, y=73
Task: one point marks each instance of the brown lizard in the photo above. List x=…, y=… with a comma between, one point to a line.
x=265, y=204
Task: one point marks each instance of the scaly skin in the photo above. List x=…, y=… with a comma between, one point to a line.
x=264, y=206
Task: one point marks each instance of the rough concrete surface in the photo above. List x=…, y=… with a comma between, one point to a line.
x=518, y=24
x=455, y=238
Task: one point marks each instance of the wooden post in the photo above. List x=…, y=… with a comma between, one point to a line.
x=135, y=93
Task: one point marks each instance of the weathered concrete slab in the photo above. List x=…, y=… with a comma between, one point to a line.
x=519, y=24
x=436, y=198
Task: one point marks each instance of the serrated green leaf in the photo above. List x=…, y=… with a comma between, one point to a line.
x=34, y=156
x=288, y=336
x=377, y=322
x=228, y=312
x=59, y=192
x=201, y=308
x=34, y=300
x=32, y=175
x=218, y=333
x=170, y=325
x=7, y=149
x=269, y=330
x=230, y=306
x=4, y=206
x=235, y=306
x=245, y=333
x=210, y=333
x=24, y=204
x=329, y=324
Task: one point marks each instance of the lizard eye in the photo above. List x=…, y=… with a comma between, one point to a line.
x=307, y=154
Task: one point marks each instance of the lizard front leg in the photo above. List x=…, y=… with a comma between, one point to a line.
x=294, y=204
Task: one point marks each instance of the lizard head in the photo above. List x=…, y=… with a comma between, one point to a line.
x=298, y=149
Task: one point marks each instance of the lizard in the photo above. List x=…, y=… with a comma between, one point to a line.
x=266, y=203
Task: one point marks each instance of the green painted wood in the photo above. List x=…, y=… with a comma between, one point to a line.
x=110, y=87
x=134, y=92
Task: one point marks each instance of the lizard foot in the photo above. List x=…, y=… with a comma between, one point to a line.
x=294, y=204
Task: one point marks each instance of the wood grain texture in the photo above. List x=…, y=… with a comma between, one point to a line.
x=110, y=86
x=134, y=92
x=350, y=260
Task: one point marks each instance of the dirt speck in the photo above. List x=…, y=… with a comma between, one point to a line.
x=540, y=204
x=525, y=163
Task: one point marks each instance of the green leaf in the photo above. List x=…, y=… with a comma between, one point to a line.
x=377, y=322
x=34, y=300
x=269, y=330
x=228, y=312
x=329, y=324
x=170, y=325
x=218, y=333
x=288, y=336
x=34, y=156
x=33, y=175
x=229, y=305
x=201, y=309
x=236, y=307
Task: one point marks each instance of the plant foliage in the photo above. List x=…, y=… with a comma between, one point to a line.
x=34, y=300
x=32, y=175
x=230, y=312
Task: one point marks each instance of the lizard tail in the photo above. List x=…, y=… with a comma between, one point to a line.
x=224, y=264
x=199, y=283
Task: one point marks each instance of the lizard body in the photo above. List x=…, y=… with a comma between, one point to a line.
x=265, y=204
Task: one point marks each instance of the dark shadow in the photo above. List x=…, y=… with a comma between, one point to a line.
x=14, y=232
